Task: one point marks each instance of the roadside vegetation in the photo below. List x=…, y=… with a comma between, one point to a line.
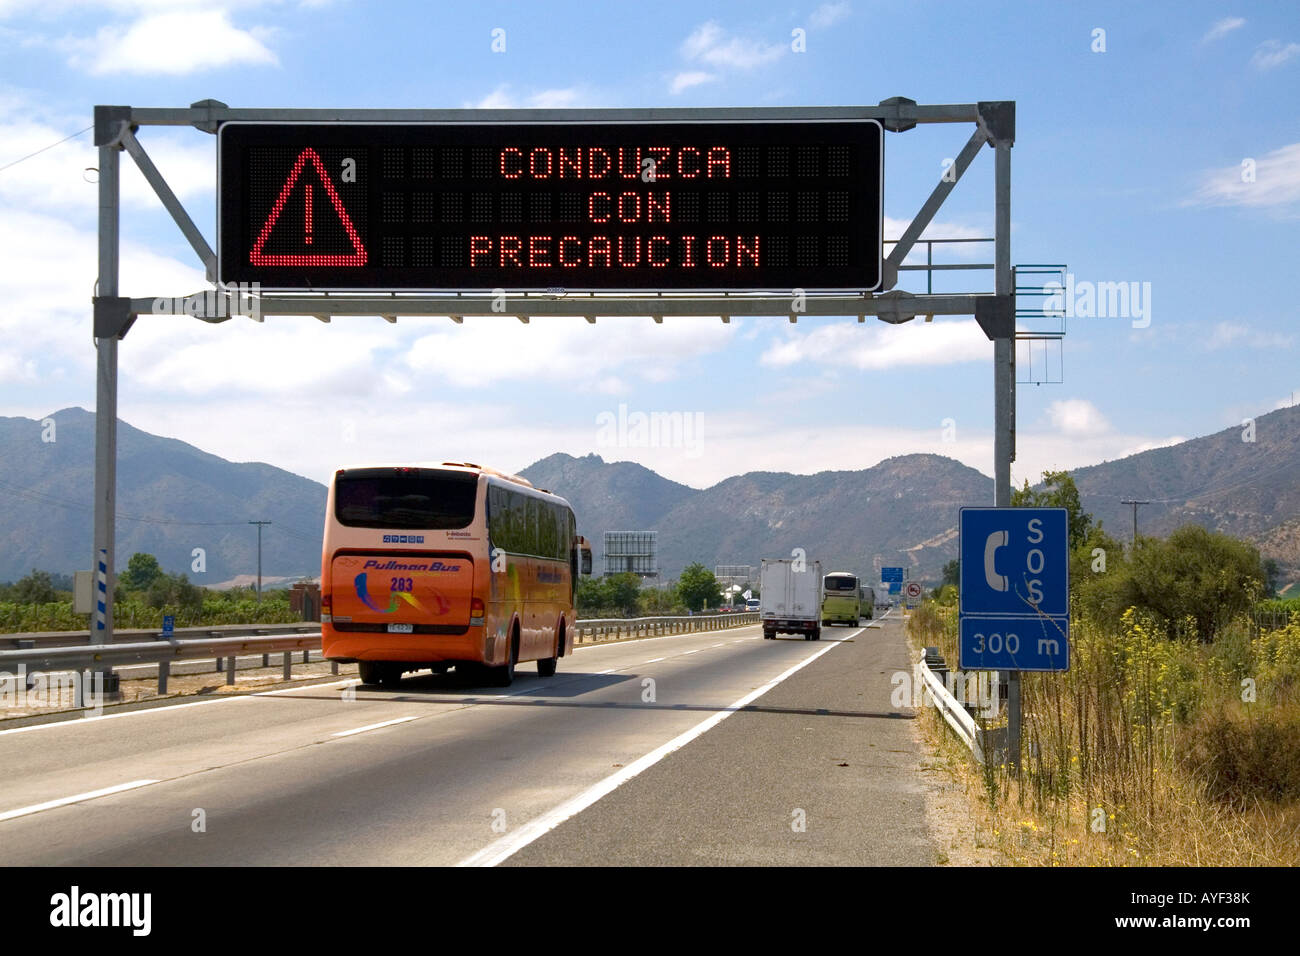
x=144, y=594
x=626, y=595
x=1174, y=738
x=42, y=601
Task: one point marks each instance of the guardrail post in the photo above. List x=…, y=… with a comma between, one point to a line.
x=306, y=656
x=288, y=665
x=266, y=660
x=164, y=671
x=334, y=668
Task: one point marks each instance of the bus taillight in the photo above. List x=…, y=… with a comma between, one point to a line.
x=326, y=607
x=476, y=610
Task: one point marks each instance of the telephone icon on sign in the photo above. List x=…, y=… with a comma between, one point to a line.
x=998, y=539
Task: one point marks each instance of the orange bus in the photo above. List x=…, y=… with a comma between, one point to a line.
x=450, y=565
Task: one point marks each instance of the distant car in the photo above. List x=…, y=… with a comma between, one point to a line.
x=753, y=604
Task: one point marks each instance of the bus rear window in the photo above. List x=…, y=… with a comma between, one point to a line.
x=422, y=499
x=841, y=584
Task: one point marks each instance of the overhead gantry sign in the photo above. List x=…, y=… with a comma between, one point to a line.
x=630, y=206
x=695, y=212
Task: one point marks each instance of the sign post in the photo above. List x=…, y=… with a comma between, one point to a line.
x=1013, y=596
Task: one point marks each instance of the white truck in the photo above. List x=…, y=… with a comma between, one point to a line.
x=791, y=595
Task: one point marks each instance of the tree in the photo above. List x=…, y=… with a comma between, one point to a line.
x=169, y=590
x=141, y=572
x=1058, y=491
x=1272, y=577
x=1196, y=574
x=590, y=594
x=36, y=588
x=621, y=592
x=952, y=573
x=655, y=601
x=697, y=587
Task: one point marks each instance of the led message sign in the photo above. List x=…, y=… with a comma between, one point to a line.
x=673, y=206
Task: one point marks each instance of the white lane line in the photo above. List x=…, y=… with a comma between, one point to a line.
x=507, y=846
x=64, y=801
x=719, y=644
x=696, y=651
x=382, y=723
x=656, y=660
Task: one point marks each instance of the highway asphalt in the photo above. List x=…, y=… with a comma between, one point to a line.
x=630, y=754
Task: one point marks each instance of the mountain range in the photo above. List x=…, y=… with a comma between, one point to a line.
x=173, y=498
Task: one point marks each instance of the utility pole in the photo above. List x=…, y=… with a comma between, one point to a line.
x=259, y=557
x=1134, y=502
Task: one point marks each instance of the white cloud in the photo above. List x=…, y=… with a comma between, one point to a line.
x=562, y=349
x=711, y=45
x=1273, y=53
x=502, y=98
x=47, y=284
x=15, y=370
x=119, y=7
x=311, y=437
x=828, y=14
x=1227, y=334
x=686, y=80
x=1077, y=417
x=54, y=177
x=174, y=42
x=1276, y=182
x=1222, y=28
x=1154, y=443
x=894, y=229
x=876, y=347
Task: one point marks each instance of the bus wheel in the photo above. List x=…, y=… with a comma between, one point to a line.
x=390, y=675
x=546, y=666
x=504, y=675
x=370, y=671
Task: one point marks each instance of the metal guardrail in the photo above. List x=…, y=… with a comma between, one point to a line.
x=954, y=712
x=29, y=640
x=597, y=629
x=222, y=645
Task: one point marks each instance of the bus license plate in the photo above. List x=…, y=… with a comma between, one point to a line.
x=401, y=628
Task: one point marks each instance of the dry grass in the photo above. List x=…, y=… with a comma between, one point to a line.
x=1146, y=752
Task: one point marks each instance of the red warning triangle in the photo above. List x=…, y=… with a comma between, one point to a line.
x=356, y=258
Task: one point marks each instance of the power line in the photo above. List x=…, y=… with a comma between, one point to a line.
x=259, y=557
x=1134, y=502
x=44, y=148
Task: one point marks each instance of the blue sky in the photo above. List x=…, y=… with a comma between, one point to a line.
x=1128, y=166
